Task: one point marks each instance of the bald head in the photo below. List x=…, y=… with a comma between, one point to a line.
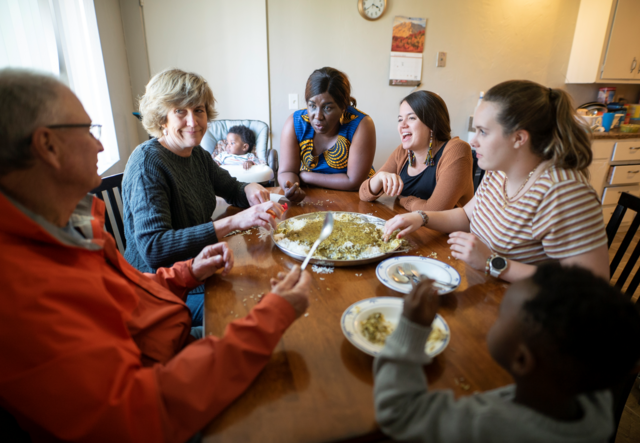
x=27, y=100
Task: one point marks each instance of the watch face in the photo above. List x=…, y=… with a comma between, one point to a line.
x=498, y=263
x=373, y=8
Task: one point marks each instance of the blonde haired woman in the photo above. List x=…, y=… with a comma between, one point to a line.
x=535, y=202
x=170, y=183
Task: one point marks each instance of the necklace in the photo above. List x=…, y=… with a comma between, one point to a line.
x=506, y=198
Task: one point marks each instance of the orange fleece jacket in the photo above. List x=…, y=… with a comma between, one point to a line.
x=93, y=350
x=454, y=181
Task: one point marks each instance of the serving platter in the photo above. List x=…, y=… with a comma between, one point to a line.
x=331, y=262
x=391, y=308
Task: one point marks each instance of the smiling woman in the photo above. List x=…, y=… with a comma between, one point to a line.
x=429, y=171
x=331, y=143
x=170, y=183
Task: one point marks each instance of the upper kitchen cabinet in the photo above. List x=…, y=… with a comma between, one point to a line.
x=606, y=43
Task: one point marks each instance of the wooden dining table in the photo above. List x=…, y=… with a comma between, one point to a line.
x=318, y=387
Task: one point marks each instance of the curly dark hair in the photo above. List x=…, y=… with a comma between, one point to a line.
x=587, y=331
x=245, y=134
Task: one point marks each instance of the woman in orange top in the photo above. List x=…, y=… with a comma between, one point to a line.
x=429, y=171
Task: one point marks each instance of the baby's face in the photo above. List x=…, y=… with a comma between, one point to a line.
x=235, y=145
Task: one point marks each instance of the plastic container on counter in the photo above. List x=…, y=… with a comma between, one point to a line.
x=605, y=95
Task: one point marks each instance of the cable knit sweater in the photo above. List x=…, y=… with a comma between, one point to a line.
x=453, y=177
x=168, y=203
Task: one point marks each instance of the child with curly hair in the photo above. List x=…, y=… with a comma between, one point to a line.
x=565, y=336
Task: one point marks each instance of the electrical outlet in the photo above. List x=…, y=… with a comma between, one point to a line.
x=441, y=61
x=293, y=101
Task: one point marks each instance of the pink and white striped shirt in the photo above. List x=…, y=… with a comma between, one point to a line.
x=558, y=217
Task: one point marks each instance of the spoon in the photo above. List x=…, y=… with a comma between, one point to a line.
x=400, y=279
x=411, y=278
x=419, y=277
x=327, y=229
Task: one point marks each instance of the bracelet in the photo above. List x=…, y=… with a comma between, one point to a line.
x=425, y=217
x=487, y=267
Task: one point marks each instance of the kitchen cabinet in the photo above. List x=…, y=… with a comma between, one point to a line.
x=615, y=169
x=606, y=43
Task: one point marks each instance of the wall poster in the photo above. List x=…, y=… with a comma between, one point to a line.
x=407, y=45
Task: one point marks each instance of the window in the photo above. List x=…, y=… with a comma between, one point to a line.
x=61, y=37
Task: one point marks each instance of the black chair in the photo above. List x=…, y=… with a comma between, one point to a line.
x=110, y=192
x=626, y=201
x=476, y=173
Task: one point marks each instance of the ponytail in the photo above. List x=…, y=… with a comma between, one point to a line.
x=556, y=132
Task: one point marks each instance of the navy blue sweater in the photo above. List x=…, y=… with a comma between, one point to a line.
x=168, y=203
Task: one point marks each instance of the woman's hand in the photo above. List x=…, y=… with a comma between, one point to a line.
x=470, y=249
x=210, y=259
x=256, y=194
x=247, y=164
x=293, y=192
x=294, y=288
x=391, y=183
x=421, y=304
x=264, y=214
x=407, y=223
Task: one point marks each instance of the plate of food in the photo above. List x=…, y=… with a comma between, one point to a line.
x=442, y=273
x=356, y=239
x=368, y=323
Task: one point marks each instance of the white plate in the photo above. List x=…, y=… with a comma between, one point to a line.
x=429, y=267
x=391, y=308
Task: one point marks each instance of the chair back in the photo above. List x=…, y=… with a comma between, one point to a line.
x=110, y=192
x=476, y=173
x=626, y=201
x=218, y=129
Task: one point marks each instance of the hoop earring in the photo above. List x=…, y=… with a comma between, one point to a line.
x=429, y=160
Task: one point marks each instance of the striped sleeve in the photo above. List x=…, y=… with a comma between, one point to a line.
x=569, y=220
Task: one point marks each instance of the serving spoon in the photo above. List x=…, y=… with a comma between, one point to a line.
x=327, y=229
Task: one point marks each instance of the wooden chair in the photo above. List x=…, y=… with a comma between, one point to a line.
x=109, y=192
x=626, y=201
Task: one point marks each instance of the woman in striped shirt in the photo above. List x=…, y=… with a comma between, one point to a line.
x=535, y=202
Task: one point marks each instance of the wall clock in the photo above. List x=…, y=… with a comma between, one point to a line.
x=372, y=9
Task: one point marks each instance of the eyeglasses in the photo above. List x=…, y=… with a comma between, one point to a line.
x=95, y=130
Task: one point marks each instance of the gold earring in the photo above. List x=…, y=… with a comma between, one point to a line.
x=429, y=160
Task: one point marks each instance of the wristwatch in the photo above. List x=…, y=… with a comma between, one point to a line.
x=497, y=265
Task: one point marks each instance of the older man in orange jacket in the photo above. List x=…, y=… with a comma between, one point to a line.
x=93, y=350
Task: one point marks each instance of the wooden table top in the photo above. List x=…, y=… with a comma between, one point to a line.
x=318, y=387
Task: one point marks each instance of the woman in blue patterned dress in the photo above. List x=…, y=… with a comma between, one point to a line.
x=330, y=144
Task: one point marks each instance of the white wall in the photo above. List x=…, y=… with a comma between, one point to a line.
x=109, y=20
x=251, y=76
x=486, y=41
x=224, y=41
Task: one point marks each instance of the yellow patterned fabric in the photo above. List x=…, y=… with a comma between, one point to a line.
x=336, y=159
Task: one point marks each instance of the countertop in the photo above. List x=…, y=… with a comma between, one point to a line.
x=614, y=135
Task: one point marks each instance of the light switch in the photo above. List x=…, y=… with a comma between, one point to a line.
x=441, y=62
x=293, y=101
